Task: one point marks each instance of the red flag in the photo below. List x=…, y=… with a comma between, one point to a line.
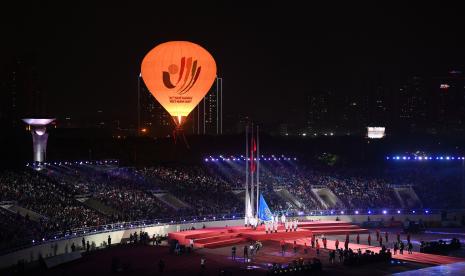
x=252, y=151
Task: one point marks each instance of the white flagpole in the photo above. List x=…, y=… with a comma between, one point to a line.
x=247, y=201
x=258, y=168
x=251, y=176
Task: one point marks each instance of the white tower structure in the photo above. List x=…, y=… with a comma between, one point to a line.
x=39, y=138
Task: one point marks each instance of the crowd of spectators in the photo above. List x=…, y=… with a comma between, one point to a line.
x=296, y=267
x=350, y=257
x=208, y=189
x=440, y=246
x=55, y=206
x=206, y=193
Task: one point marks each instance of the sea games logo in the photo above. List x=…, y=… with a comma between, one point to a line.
x=185, y=75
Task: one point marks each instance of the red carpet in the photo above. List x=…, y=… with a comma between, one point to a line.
x=415, y=257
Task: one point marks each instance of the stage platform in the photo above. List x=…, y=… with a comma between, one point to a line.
x=225, y=236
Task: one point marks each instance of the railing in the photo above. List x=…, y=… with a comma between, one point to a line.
x=82, y=231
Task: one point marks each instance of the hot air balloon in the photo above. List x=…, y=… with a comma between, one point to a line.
x=178, y=74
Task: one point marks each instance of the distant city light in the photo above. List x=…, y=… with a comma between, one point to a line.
x=375, y=132
x=425, y=157
x=444, y=86
x=233, y=158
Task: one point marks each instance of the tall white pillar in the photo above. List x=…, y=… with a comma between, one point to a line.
x=39, y=138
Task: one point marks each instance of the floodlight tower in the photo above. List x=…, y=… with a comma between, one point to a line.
x=39, y=138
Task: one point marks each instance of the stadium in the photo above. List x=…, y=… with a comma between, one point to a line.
x=259, y=139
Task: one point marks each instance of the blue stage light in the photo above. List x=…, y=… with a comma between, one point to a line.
x=384, y=212
x=398, y=211
x=356, y=212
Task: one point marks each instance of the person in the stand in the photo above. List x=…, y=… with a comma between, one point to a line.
x=191, y=244
x=377, y=235
x=396, y=247
x=313, y=241
x=369, y=239
x=410, y=248
x=380, y=241
x=325, y=242
x=305, y=248
x=203, y=262
x=283, y=247
x=246, y=253
x=346, y=243
x=386, y=237
x=317, y=247
x=233, y=253
x=337, y=244
x=295, y=247
x=332, y=256
x=161, y=266
x=358, y=238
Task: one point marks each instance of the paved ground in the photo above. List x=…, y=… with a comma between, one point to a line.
x=143, y=260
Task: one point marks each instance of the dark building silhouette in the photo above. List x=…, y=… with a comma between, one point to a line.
x=21, y=95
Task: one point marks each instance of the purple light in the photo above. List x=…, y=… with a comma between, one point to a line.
x=384, y=212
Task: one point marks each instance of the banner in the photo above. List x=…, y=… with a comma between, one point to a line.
x=264, y=212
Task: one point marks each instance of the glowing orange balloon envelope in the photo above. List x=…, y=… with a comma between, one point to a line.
x=178, y=74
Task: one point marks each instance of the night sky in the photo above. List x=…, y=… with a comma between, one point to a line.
x=270, y=55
